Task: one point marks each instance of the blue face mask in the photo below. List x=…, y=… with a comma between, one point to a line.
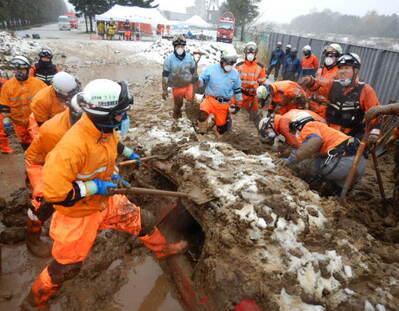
x=125, y=125
x=271, y=134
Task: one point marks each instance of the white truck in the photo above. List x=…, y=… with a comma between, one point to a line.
x=63, y=23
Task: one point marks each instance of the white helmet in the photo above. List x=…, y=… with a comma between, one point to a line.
x=229, y=56
x=334, y=47
x=264, y=127
x=288, y=46
x=65, y=84
x=251, y=47
x=75, y=111
x=307, y=48
x=20, y=62
x=262, y=92
x=103, y=100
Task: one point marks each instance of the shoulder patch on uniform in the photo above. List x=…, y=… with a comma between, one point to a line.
x=261, y=65
x=239, y=64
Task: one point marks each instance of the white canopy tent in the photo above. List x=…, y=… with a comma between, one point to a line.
x=133, y=15
x=197, y=21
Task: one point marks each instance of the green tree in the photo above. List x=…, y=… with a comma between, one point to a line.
x=244, y=11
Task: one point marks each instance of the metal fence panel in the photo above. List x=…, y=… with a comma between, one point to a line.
x=380, y=68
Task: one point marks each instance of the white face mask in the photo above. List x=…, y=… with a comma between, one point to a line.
x=250, y=57
x=228, y=68
x=345, y=82
x=328, y=61
x=180, y=51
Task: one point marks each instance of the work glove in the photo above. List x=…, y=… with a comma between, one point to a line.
x=7, y=126
x=306, y=82
x=120, y=181
x=165, y=94
x=374, y=136
x=285, y=162
x=131, y=155
x=99, y=186
x=373, y=113
x=234, y=109
x=45, y=210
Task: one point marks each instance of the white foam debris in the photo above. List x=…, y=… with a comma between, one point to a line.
x=161, y=48
x=291, y=303
x=368, y=306
x=380, y=307
x=349, y=292
x=348, y=271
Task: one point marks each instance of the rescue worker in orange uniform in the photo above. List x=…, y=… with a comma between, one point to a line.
x=348, y=98
x=44, y=69
x=334, y=152
x=49, y=135
x=179, y=73
x=223, y=85
x=329, y=69
x=277, y=127
x=252, y=75
x=309, y=62
x=17, y=93
x=55, y=98
x=78, y=177
x=285, y=95
x=5, y=125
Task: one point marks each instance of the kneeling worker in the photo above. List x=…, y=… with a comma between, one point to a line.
x=334, y=151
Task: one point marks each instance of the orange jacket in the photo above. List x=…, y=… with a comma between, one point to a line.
x=281, y=124
x=310, y=62
x=82, y=154
x=252, y=75
x=18, y=95
x=285, y=95
x=50, y=134
x=329, y=136
x=45, y=104
x=368, y=97
x=328, y=74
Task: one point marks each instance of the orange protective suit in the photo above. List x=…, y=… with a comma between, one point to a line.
x=46, y=105
x=49, y=135
x=281, y=124
x=330, y=137
x=18, y=96
x=219, y=110
x=327, y=74
x=252, y=74
x=310, y=63
x=286, y=96
x=180, y=93
x=368, y=98
x=84, y=153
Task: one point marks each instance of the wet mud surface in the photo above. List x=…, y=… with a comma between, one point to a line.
x=261, y=234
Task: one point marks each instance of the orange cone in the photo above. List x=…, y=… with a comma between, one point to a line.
x=156, y=242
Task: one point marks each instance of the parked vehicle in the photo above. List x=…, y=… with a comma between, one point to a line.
x=63, y=23
x=225, y=30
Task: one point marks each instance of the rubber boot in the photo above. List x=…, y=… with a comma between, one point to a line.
x=156, y=242
x=42, y=290
x=34, y=244
x=25, y=146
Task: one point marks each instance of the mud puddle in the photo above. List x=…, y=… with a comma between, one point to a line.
x=12, y=173
x=148, y=288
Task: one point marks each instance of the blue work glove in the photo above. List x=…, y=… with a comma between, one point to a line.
x=7, y=125
x=99, y=186
x=131, y=155
x=119, y=180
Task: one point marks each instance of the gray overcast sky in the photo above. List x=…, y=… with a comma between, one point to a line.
x=284, y=11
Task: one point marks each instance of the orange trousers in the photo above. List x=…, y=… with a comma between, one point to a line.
x=23, y=134
x=74, y=236
x=220, y=110
x=181, y=93
x=249, y=103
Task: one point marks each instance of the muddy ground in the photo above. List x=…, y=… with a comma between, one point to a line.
x=264, y=235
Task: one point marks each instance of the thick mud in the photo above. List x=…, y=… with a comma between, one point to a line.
x=260, y=233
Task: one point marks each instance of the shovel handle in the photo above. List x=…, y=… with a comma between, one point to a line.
x=123, y=163
x=149, y=191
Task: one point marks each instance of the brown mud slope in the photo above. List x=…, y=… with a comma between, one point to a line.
x=268, y=237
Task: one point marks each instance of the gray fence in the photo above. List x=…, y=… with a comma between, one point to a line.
x=380, y=68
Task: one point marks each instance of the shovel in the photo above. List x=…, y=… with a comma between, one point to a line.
x=378, y=174
x=158, y=157
x=196, y=196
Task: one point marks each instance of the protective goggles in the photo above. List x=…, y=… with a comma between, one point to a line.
x=331, y=54
x=347, y=60
x=19, y=64
x=45, y=54
x=230, y=62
